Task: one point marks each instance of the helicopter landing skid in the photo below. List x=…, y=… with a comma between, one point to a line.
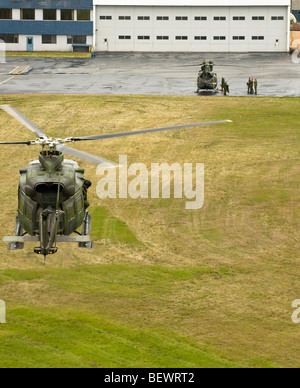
x=207, y=91
x=15, y=246
x=86, y=228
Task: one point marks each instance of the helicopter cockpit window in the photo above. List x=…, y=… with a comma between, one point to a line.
x=48, y=188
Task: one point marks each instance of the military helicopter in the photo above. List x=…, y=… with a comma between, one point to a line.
x=207, y=79
x=52, y=195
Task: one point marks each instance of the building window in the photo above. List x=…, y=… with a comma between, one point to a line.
x=105, y=17
x=143, y=17
x=163, y=18
x=219, y=37
x=239, y=18
x=238, y=37
x=124, y=37
x=181, y=38
x=83, y=15
x=49, y=39
x=162, y=38
x=184, y=18
x=9, y=38
x=124, y=17
x=49, y=14
x=277, y=17
x=258, y=18
x=200, y=18
x=144, y=37
x=67, y=14
x=76, y=39
x=27, y=14
x=258, y=38
x=200, y=37
x=220, y=18
x=5, y=13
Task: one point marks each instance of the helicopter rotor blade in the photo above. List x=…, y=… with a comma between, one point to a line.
x=23, y=120
x=122, y=134
x=85, y=156
x=16, y=142
x=215, y=65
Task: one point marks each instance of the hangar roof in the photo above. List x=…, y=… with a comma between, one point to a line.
x=196, y=3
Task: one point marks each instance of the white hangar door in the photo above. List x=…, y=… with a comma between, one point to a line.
x=258, y=29
x=191, y=29
x=278, y=37
x=240, y=29
x=219, y=28
x=115, y=28
x=161, y=29
x=124, y=28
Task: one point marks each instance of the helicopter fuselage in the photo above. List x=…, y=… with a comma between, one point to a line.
x=207, y=81
x=52, y=198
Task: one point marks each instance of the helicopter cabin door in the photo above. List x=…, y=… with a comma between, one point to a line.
x=29, y=43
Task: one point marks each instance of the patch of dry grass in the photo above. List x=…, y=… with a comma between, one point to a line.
x=238, y=257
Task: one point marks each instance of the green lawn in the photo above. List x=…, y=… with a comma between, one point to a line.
x=164, y=287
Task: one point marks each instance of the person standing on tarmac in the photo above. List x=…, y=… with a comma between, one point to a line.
x=255, y=86
x=203, y=66
x=223, y=82
x=226, y=88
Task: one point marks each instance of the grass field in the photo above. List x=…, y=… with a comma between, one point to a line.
x=164, y=287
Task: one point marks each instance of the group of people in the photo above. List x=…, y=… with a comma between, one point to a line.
x=252, y=86
x=207, y=67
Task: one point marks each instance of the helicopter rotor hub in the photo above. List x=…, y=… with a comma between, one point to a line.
x=50, y=142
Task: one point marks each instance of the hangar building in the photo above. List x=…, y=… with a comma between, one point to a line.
x=192, y=25
x=146, y=25
x=46, y=25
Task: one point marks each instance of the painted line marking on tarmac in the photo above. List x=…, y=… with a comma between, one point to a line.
x=14, y=70
x=26, y=68
x=19, y=70
x=3, y=82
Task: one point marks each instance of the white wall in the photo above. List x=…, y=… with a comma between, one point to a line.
x=112, y=29
x=16, y=14
x=39, y=14
x=195, y=3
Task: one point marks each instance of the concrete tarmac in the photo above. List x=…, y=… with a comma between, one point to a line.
x=150, y=74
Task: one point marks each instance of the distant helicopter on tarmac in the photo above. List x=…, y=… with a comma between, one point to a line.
x=207, y=79
x=52, y=195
